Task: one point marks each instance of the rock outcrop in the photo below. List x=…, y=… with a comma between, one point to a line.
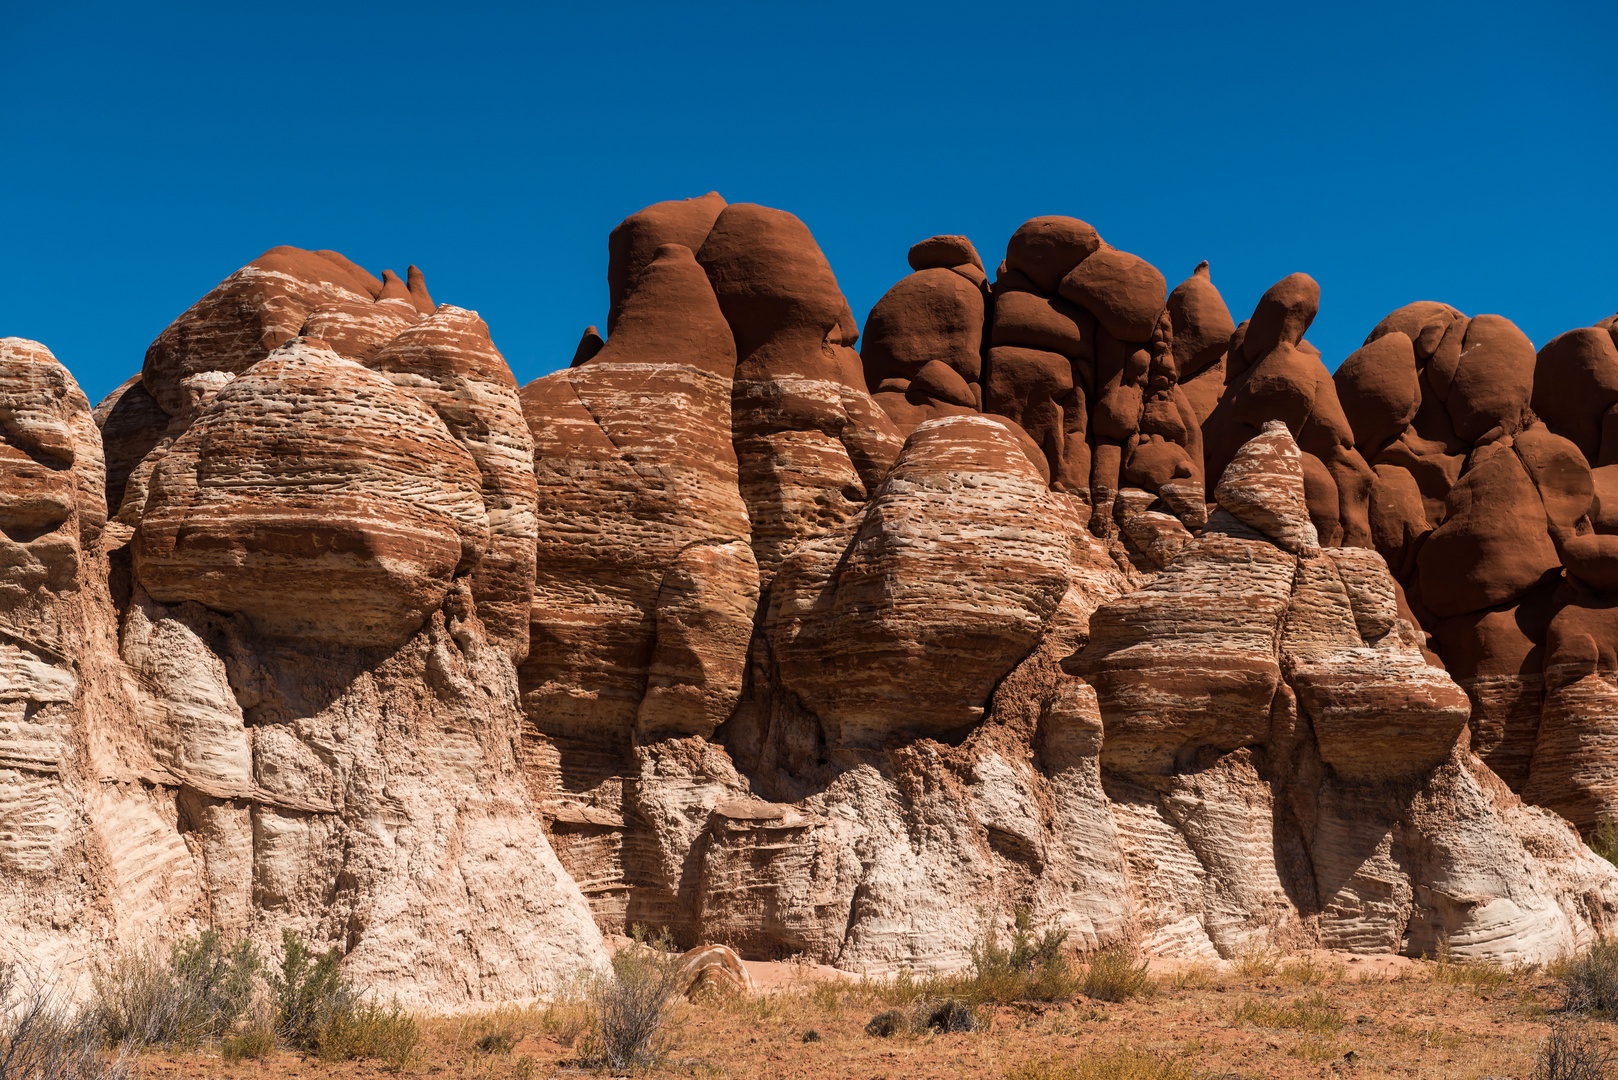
x=1065, y=594
x=1489, y=464
x=279, y=692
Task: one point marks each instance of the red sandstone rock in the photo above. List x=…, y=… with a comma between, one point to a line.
x=317, y=499
x=131, y=424
x=1575, y=385
x=1202, y=329
x=244, y=317
x=932, y=315
x=1377, y=387
x=1047, y=248
x=1124, y=292
x=1493, y=380
x=1493, y=545
x=633, y=244
x=944, y=253
x=810, y=442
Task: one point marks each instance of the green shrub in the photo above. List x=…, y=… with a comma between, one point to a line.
x=1604, y=841
x=1590, y=979
x=201, y=992
x=308, y=992
x=1030, y=969
x=633, y=1008
x=1114, y=975
x=317, y=1010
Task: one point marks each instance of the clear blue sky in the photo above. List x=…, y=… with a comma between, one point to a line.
x=1461, y=152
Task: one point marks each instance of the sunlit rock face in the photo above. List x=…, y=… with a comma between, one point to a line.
x=1060, y=591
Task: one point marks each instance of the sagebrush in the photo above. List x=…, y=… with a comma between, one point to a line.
x=633, y=1009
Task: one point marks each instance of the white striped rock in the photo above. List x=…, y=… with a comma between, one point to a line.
x=316, y=498
x=643, y=599
x=906, y=619
x=448, y=362
x=253, y=311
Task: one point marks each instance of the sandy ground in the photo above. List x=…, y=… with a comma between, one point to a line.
x=1360, y=1017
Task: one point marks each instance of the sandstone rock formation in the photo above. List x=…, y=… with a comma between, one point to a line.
x=280, y=691
x=1019, y=665
x=1489, y=463
x=1064, y=594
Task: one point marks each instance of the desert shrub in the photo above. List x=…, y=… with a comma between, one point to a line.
x=943, y=1015
x=1256, y=961
x=1314, y=1014
x=368, y=1030
x=1590, y=979
x=888, y=1023
x=43, y=1039
x=1473, y=974
x=200, y=992
x=1114, y=975
x=1604, y=841
x=633, y=1009
x=256, y=1040
x=317, y=1010
x=1030, y=968
x=1569, y=1052
x=308, y=992
x=1120, y=1064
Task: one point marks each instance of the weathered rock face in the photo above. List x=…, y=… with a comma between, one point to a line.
x=643, y=557
x=1067, y=595
x=317, y=499
x=909, y=621
x=1489, y=469
x=267, y=697
x=1026, y=666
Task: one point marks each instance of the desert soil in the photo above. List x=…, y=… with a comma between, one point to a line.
x=1370, y=1018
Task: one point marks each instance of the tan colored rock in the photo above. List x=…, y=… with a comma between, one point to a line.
x=448, y=362
x=317, y=499
x=862, y=622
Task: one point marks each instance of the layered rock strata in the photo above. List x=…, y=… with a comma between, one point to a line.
x=1065, y=594
x=279, y=691
x=1105, y=640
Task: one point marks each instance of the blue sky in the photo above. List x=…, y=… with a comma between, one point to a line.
x=1459, y=152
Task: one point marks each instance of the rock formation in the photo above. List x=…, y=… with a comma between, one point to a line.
x=1489, y=465
x=279, y=691
x=1106, y=639
x=1064, y=593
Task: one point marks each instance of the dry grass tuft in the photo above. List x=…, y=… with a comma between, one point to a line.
x=1114, y=975
x=1311, y=970
x=1314, y=1014
x=1199, y=975
x=1475, y=975
x=1590, y=979
x=1256, y=961
x=1120, y=1064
